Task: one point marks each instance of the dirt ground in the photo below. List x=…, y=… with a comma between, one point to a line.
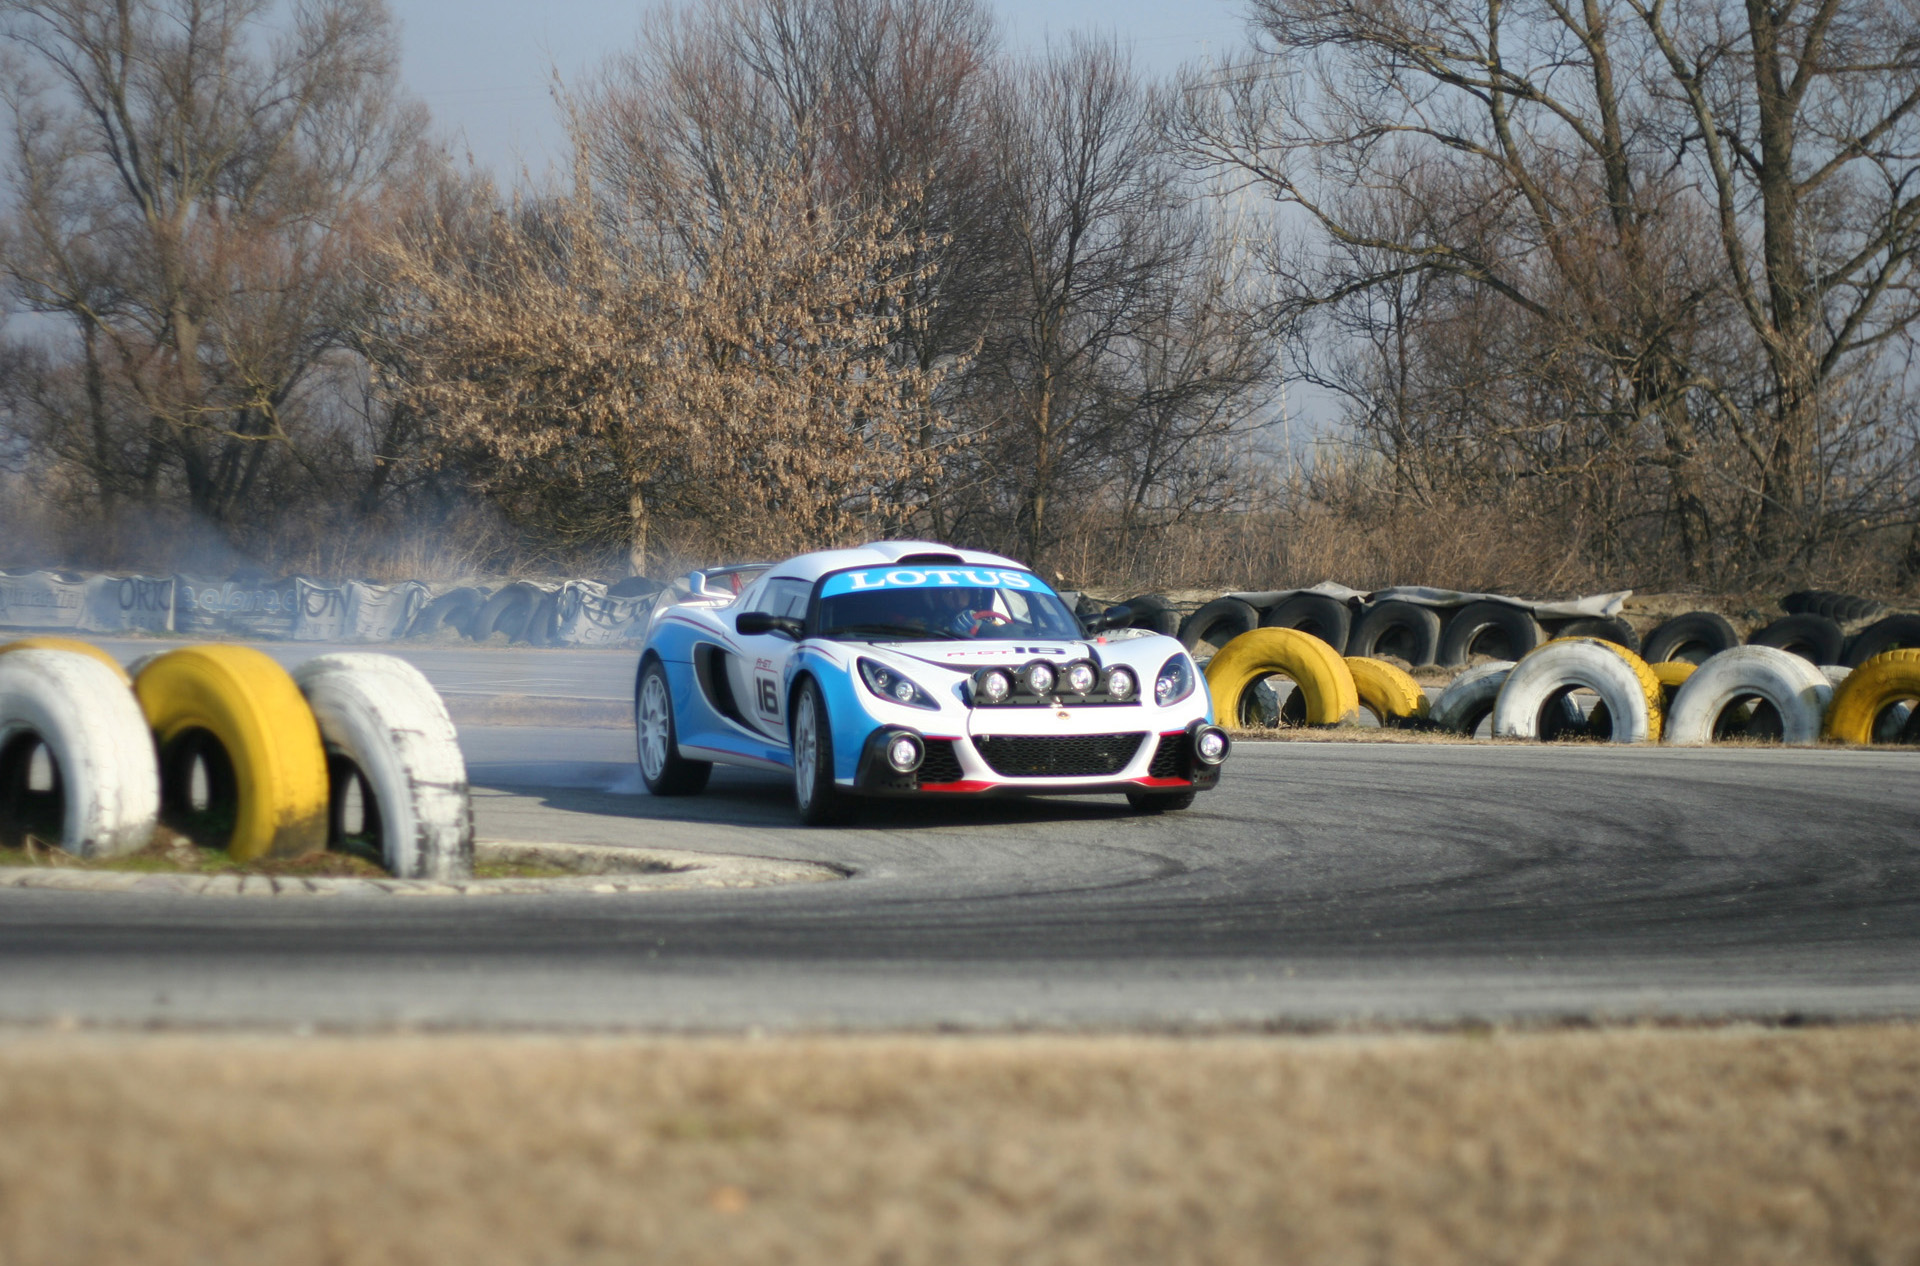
x=1740, y=1145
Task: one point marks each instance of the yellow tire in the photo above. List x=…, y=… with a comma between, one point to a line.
x=255, y=714
x=67, y=644
x=1870, y=690
x=1671, y=674
x=1388, y=692
x=1322, y=677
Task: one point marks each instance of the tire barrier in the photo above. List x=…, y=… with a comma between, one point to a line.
x=1869, y=691
x=384, y=724
x=1218, y=622
x=454, y=610
x=1895, y=632
x=1814, y=638
x=1608, y=628
x=1320, y=677
x=1405, y=630
x=1468, y=699
x=1322, y=615
x=1892, y=724
x=1532, y=696
x=1842, y=608
x=1693, y=637
x=1793, y=688
x=1489, y=628
x=1394, y=697
x=237, y=716
x=101, y=792
x=1152, y=611
x=507, y=611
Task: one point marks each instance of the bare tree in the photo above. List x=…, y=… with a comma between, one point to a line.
x=194, y=181
x=1701, y=216
x=723, y=379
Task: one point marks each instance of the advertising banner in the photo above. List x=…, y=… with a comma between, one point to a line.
x=42, y=600
x=247, y=608
x=588, y=617
x=128, y=604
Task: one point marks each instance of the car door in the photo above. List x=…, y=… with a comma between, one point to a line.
x=758, y=673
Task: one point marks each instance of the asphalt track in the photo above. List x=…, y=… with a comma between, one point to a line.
x=1321, y=884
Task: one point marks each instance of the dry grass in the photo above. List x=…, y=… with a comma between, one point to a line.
x=1637, y=1146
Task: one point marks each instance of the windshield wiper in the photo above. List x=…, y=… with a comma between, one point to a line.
x=901, y=631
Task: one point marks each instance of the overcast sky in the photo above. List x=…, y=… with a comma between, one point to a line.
x=483, y=66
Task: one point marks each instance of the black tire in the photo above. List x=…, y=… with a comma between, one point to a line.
x=505, y=612
x=1328, y=619
x=1692, y=637
x=634, y=587
x=454, y=610
x=1910, y=732
x=1489, y=628
x=1814, y=638
x=1608, y=628
x=1153, y=611
x=819, y=799
x=1405, y=630
x=1160, y=801
x=1217, y=623
x=662, y=768
x=543, y=622
x=1895, y=632
x=1795, y=603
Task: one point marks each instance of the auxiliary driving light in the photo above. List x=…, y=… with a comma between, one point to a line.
x=1210, y=745
x=904, y=753
x=1080, y=677
x=1040, y=677
x=1121, y=683
x=995, y=685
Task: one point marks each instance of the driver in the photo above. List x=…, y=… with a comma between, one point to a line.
x=960, y=611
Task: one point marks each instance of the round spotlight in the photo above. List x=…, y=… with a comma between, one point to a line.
x=1081, y=676
x=904, y=753
x=996, y=686
x=1121, y=683
x=903, y=690
x=1040, y=678
x=1210, y=745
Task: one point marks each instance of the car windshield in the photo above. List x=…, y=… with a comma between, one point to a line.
x=942, y=604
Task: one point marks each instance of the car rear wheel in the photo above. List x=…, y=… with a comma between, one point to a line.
x=821, y=801
x=662, y=768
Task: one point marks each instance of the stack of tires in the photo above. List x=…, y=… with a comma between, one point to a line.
x=223, y=745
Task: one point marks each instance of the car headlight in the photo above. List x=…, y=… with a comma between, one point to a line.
x=1081, y=676
x=1175, y=681
x=994, y=685
x=894, y=688
x=1121, y=683
x=1039, y=677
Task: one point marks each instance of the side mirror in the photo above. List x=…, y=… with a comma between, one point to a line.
x=1119, y=617
x=759, y=624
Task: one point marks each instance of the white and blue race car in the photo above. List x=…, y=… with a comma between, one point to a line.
x=906, y=668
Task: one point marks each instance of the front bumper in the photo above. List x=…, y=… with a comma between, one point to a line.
x=1016, y=765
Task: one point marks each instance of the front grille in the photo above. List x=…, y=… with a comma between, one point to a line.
x=1170, y=758
x=941, y=763
x=1043, y=756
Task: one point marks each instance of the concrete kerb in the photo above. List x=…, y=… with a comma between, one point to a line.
x=599, y=869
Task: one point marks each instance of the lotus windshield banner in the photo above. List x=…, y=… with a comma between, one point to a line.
x=871, y=578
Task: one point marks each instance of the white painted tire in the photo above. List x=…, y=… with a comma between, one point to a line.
x=1891, y=724
x=92, y=727
x=379, y=712
x=1798, y=691
x=1468, y=700
x=1565, y=665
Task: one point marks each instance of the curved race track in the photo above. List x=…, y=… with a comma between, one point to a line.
x=1321, y=883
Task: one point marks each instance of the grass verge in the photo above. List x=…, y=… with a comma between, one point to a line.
x=1719, y=1145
